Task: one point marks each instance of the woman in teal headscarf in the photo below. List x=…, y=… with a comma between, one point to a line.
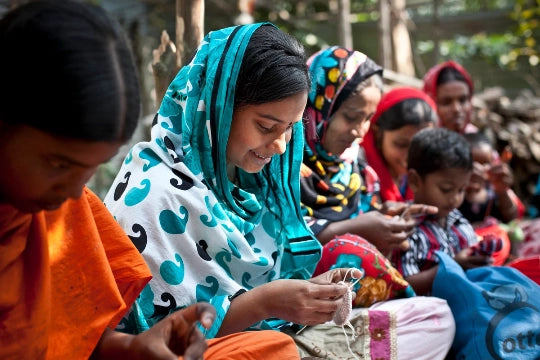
x=212, y=200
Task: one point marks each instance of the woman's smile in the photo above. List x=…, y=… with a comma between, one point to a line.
x=261, y=159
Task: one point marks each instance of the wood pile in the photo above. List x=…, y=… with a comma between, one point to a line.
x=515, y=123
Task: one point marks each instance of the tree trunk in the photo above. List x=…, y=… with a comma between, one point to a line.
x=163, y=66
x=189, y=29
x=385, y=37
x=168, y=57
x=246, y=8
x=344, y=24
x=436, y=31
x=401, y=41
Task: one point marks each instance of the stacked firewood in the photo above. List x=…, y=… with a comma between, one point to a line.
x=514, y=123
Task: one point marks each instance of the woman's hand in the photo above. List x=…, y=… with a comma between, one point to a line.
x=313, y=301
x=336, y=275
x=387, y=229
x=384, y=231
x=175, y=335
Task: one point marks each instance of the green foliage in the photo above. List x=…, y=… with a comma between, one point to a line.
x=514, y=49
x=527, y=15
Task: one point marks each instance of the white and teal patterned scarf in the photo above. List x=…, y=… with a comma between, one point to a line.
x=204, y=237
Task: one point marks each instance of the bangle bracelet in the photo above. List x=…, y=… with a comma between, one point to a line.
x=236, y=294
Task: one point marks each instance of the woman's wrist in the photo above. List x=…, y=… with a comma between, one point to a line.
x=247, y=308
x=112, y=345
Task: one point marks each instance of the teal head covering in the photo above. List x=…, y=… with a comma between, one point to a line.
x=207, y=237
x=201, y=100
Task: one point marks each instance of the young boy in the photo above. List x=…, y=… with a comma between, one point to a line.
x=439, y=168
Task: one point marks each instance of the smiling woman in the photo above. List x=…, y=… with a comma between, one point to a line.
x=262, y=131
x=228, y=229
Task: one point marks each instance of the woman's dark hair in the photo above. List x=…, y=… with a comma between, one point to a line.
x=449, y=74
x=407, y=112
x=274, y=68
x=437, y=149
x=67, y=69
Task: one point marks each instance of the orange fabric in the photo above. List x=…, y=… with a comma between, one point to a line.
x=63, y=280
x=252, y=345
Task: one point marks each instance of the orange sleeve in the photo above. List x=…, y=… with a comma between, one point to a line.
x=128, y=266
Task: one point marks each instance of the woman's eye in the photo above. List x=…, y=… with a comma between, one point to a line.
x=265, y=129
x=350, y=118
x=401, y=146
x=59, y=165
x=444, y=102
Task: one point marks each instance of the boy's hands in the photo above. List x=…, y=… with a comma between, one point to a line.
x=467, y=261
x=408, y=211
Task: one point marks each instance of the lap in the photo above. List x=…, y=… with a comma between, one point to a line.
x=252, y=345
x=410, y=328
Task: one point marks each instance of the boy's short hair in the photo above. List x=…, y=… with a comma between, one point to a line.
x=436, y=149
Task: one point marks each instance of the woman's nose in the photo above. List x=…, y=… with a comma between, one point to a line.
x=360, y=130
x=456, y=106
x=356, y=131
x=74, y=187
x=279, y=144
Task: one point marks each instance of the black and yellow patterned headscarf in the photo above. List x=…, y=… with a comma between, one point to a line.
x=331, y=184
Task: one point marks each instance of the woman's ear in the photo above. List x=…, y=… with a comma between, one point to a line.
x=413, y=179
x=376, y=130
x=377, y=135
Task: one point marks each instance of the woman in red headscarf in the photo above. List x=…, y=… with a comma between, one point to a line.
x=401, y=113
x=451, y=87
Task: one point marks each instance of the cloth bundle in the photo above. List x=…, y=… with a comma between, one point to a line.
x=381, y=280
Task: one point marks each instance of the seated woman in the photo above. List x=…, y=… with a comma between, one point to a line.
x=336, y=183
x=213, y=198
x=401, y=113
x=68, y=272
x=451, y=87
